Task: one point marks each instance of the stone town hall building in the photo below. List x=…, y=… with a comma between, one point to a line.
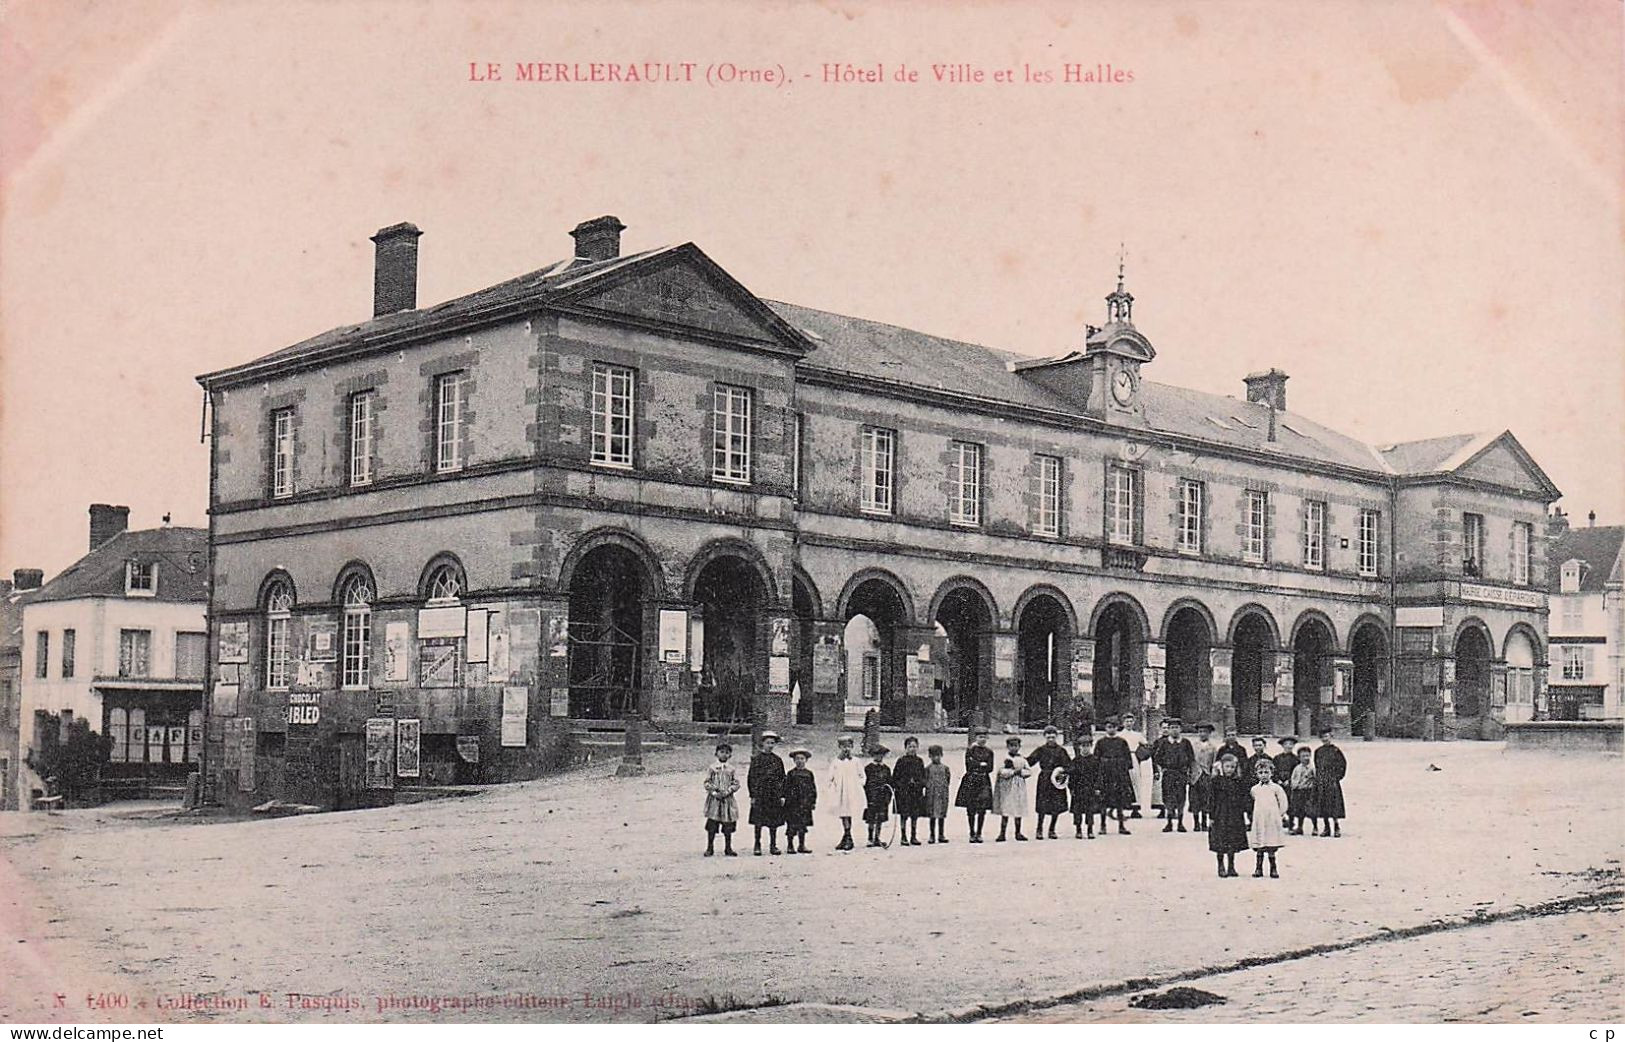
x=445, y=536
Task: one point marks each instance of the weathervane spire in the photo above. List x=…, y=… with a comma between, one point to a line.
x=1120, y=303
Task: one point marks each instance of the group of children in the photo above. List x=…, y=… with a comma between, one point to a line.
x=1240, y=800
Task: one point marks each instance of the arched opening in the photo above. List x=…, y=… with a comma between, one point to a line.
x=1472, y=673
x=1119, y=660
x=1190, y=665
x=875, y=619
x=607, y=594
x=1369, y=650
x=805, y=608
x=1254, y=642
x=1312, y=651
x=1520, y=658
x=1044, y=651
x=962, y=622
x=728, y=597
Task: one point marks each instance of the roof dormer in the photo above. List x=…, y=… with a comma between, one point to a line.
x=140, y=578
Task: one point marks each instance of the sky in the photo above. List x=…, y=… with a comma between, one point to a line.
x=1412, y=208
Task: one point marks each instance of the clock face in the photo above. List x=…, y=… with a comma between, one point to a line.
x=1122, y=387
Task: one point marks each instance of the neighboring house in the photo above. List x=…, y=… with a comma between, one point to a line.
x=1586, y=567
x=119, y=639
x=14, y=593
x=626, y=484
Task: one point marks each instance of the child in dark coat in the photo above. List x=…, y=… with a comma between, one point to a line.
x=765, y=783
x=800, y=797
x=1229, y=807
x=1084, y=785
x=877, y=791
x=908, y=782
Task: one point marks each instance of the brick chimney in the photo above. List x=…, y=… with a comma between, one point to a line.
x=25, y=579
x=107, y=522
x=1267, y=388
x=598, y=239
x=395, y=269
x=1557, y=523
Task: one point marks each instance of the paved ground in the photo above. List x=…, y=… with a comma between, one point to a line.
x=584, y=898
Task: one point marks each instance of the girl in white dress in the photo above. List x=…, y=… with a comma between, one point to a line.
x=1266, y=835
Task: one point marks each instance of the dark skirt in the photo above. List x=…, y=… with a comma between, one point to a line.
x=768, y=810
x=1227, y=834
x=1174, y=786
x=911, y=801
x=1085, y=801
x=879, y=805
x=975, y=792
x=1300, y=803
x=1329, y=798
x=1199, y=794
x=1116, y=788
x=1050, y=799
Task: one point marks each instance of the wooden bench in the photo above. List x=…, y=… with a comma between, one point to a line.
x=50, y=804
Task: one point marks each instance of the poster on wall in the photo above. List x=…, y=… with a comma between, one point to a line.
x=1004, y=656
x=408, y=747
x=778, y=673
x=246, y=746
x=558, y=636
x=397, y=651
x=673, y=635
x=468, y=748
x=781, y=637
x=441, y=663
x=498, y=669
x=515, y=714
x=475, y=634
x=442, y=622
x=696, y=644
x=826, y=668
x=321, y=640
x=224, y=700
x=234, y=642
x=380, y=751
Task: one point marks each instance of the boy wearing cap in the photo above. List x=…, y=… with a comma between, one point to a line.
x=765, y=783
x=1249, y=766
x=846, y=789
x=1173, y=757
x=1233, y=747
x=938, y=783
x=721, y=809
x=908, y=781
x=1084, y=782
x=1010, y=792
x=1286, y=761
x=1203, y=753
x=976, y=787
x=1116, y=783
x=1330, y=767
x=800, y=797
x=877, y=790
x=1051, y=802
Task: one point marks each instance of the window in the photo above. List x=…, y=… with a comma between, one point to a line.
x=1366, y=552
x=730, y=434
x=1570, y=577
x=1314, y=534
x=134, y=653
x=871, y=676
x=141, y=578
x=451, y=408
x=42, y=654
x=357, y=638
x=612, y=403
x=1472, y=544
x=361, y=438
x=282, y=453
x=1575, y=659
x=1522, y=548
x=1121, y=506
x=879, y=448
x=1520, y=686
x=964, y=483
x=69, y=639
x=1573, y=614
x=795, y=456
x=278, y=616
x=1047, y=503
x=445, y=584
x=1188, y=538
x=1255, y=523
x=191, y=655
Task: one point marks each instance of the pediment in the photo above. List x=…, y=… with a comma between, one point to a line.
x=1504, y=462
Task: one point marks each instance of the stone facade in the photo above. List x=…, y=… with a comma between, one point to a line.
x=595, y=588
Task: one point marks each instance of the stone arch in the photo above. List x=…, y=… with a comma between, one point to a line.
x=1309, y=615
x=1037, y=590
x=272, y=578
x=843, y=604
x=1529, y=633
x=730, y=546
x=1128, y=601
x=802, y=580
x=351, y=570
x=1188, y=602
x=624, y=538
x=965, y=582
x=445, y=557
x=1263, y=614
x=1473, y=622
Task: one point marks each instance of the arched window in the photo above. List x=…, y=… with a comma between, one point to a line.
x=278, y=618
x=445, y=583
x=356, y=595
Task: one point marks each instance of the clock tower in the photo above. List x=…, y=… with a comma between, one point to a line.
x=1104, y=377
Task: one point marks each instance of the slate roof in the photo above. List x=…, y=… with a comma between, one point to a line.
x=182, y=555
x=876, y=349
x=1599, y=547
x=11, y=621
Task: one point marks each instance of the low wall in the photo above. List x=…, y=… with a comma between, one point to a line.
x=1599, y=736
